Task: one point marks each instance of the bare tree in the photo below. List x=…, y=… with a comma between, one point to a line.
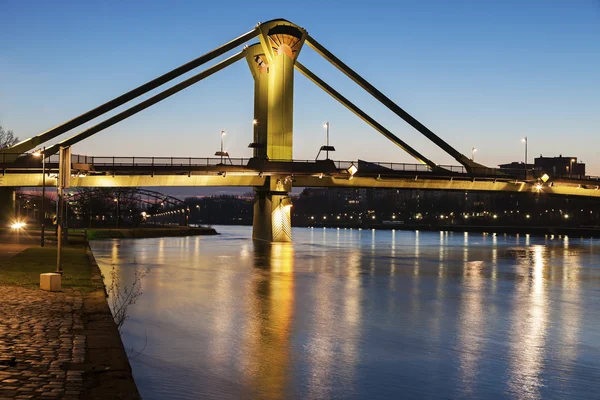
x=122, y=298
x=7, y=138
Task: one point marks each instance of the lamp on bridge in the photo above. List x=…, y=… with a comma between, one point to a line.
x=255, y=145
x=223, y=153
x=473, y=150
x=327, y=148
x=524, y=140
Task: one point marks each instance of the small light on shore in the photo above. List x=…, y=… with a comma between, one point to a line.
x=18, y=225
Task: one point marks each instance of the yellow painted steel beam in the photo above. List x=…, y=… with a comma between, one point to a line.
x=364, y=116
x=144, y=104
x=31, y=143
x=35, y=180
x=442, y=184
x=281, y=42
x=386, y=101
x=257, y=61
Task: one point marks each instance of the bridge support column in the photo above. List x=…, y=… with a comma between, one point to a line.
x=272, y=207
x=257, y=62
x=272, y=65
x=7, y=204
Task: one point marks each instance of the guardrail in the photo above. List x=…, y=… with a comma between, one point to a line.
x=31, y=160
x=158, y=161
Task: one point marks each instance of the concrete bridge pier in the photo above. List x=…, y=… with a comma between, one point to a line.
x=7, y=205
x=272, y=211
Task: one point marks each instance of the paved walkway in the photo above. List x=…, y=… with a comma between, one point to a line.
x=11, y=244
x=41, y=340
x=8, y=250
x=46, y=352
x=42, y=346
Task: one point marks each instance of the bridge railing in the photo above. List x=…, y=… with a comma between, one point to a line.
x=158, y=161
x=25, y=160
x=30, y=161
x=405, y=167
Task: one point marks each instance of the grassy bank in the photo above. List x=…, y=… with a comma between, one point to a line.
x=24, y=269
x=138, y=233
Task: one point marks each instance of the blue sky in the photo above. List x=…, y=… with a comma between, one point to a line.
x=478, y=73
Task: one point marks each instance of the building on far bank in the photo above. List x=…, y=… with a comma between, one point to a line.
x=560, y=166
x=553, y=166
x=515, y=166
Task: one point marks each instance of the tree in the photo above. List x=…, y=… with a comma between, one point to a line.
x=7, y=138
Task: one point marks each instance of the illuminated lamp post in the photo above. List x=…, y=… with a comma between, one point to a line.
x=43, y=210
x=222, y=153
x=327, y=148
x=116, y=200
x=571, y=167
x=524, y=140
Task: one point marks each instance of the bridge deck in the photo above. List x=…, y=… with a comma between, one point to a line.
x=89, y=171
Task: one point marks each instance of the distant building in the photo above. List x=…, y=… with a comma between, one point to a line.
x=515, y=165
x=553, y=166
x=560, y=166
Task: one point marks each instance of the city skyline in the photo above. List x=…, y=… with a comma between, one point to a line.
x=477, y=75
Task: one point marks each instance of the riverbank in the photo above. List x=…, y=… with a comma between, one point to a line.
x=60, y=344
x=139, y=233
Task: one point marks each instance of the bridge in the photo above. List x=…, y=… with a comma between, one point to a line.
x=271, y=171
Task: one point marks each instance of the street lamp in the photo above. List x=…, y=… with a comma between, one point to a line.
x=326, y=126
x=256, y=145
x=222, y=135
x=571, y=167
x=524, y=140
x=116, y=200
x=473, y=150
x=222, y=153
x=43, y=211
x=327, y=148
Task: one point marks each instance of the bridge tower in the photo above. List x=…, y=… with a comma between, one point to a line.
x=272, y=65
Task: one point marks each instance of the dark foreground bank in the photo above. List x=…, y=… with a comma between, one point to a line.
x=107, y=371
x=60, y=344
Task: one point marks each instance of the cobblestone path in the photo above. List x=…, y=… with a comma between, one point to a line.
x=42, y=346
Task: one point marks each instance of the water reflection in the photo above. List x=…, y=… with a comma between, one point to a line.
x=334, y=330
x=471, y=324
x=570, y=310
x=363, y=314
x=528, y=333
x=272, y=308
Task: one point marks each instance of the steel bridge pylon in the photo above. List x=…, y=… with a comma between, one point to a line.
x=271, y=62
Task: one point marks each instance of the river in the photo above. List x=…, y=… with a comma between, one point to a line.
x=346, y=313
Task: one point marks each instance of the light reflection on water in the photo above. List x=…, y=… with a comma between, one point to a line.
x=346, y=313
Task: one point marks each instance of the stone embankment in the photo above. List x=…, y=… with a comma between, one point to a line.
x=61, y=345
